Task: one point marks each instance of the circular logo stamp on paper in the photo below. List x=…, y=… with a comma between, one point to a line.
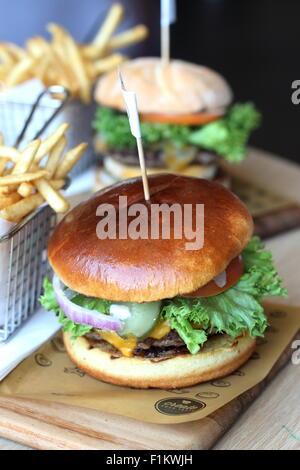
x=207, y=395
x=178, y=406
x=220, y=383
x=74, y=370
x=42, y=360
x=278, y=314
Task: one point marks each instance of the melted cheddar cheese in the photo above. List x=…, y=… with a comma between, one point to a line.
x=160, y=330
x=126, y=346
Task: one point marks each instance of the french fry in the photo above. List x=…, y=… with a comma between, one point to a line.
x=4, y=71
x=35, y=46
x=5, y=55
x=64, y=46
x=41, y=69
x=21, y=209
x=6, y=201
x=17, y=52
x=4, y=191
x=27, y=158
x=20, y=72
x=98, y=47
x=129, y=37
x=10, y=153
x=58, y=203
x=57, y=31
x=55, y=155
x=69, y=160
x=108, y=27
x=79, y=69
x=59, y=48
x=108, y=63
x=50, y=141
x=57, y=184
x=17, y=179
x=25, y=189
x=64, y=71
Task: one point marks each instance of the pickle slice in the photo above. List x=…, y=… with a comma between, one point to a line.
x=142, y=319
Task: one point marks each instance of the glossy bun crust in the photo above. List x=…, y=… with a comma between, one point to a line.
x=220, y=356
x=144, y=270
x=175, y=88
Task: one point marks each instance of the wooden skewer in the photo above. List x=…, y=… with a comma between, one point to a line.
x=143, y=168
x=134, y=121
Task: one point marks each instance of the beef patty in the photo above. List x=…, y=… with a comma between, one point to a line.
x=156, y=349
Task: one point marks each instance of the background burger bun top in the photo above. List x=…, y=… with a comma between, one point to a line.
x=145, y=270
x=176, y=88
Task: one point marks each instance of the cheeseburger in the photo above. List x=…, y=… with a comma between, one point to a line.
x=189, y=124
x=147, y=312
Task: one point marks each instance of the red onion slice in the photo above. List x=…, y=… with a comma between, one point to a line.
x=82, y=315
x=221, y=279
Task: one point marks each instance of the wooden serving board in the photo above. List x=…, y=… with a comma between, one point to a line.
x=54, y=426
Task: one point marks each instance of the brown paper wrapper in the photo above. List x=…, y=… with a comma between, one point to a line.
x=273, y=213
x=49, y=375
x=259, y=200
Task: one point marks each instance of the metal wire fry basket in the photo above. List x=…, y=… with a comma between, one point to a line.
x=15, y=109
x=23, y=248
x=23, y=265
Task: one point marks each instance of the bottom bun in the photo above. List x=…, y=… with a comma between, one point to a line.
x=220, y=356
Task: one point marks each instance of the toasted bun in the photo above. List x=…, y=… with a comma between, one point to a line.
x=178, y=87
x=144, y=270
x=220, y=356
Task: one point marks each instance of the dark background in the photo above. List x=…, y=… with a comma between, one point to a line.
x=255, y=44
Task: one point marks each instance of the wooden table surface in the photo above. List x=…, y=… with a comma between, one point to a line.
x=273, y=420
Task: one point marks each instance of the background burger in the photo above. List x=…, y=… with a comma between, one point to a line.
x=149, y=313
x=189, y=123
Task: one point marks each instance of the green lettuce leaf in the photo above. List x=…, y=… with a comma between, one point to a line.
x=228, y=136
x=232, y=312
x=48, y=299
x=114, y=128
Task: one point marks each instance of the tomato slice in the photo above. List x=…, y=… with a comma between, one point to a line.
x=234, y=271
x=190, y=119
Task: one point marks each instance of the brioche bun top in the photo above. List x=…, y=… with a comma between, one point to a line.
x=144, y=270
x=176, y=88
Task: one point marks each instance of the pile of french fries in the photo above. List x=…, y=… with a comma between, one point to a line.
x=63, y=61
x=34, y=175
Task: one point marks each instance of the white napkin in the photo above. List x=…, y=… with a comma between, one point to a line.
x=26, y=93
x=35, y=331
